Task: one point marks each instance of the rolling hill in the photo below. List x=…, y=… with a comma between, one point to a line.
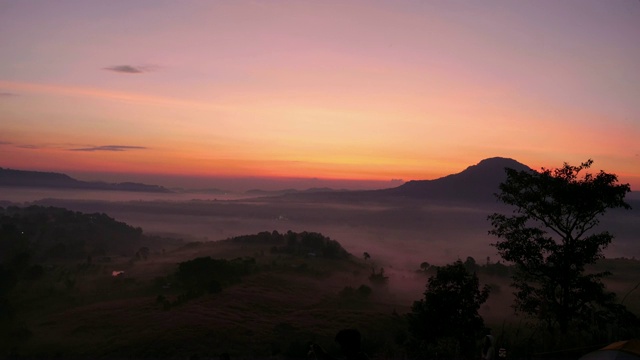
x=22, y=178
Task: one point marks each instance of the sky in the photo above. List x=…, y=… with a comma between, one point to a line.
x=361, y=93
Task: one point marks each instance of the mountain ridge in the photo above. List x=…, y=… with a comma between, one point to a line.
x=54, y=180
x=476, y=183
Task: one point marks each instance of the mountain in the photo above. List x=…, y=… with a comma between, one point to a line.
x=259, y=192
x=21, y=178
x=476, y=183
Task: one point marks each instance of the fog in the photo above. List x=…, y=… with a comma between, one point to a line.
x=29, y=194
x=235, y=184
x=399, y=233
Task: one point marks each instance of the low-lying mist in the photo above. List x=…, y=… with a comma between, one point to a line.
x=307, y=293
x=401, y=234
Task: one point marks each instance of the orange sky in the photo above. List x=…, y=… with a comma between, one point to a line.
x=329, y=90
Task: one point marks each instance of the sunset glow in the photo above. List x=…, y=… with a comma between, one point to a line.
x=329, y=90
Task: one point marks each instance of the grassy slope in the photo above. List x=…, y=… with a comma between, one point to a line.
x=277, y=311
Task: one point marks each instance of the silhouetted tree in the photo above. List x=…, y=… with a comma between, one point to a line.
x=470, y=264
x=144, y=252
x=366, y=255
x=424, y=266
x=446, y=322
x=205, y=274
x=378, y=277
x=550, y=237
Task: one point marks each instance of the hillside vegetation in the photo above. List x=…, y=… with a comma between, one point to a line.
x=269, y=294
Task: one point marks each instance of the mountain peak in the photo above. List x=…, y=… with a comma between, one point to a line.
x=476, y=183
x=494, y=164
x=497, y=160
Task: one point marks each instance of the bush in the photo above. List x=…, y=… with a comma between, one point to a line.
x=209, y=275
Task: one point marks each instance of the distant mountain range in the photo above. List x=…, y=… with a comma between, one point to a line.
x=476, y=183
x=258, y=192
x=21, y=178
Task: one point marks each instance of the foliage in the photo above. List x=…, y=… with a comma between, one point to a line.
x=471, y=265
x=378, y=277
x=424, y=266
x=446, y=322
x=55, y=233
x=143, y=253
x=362, y=292
x=300, y=244
x=551, y=237
x=207, y=275
x=312, y=244
x=496, y=269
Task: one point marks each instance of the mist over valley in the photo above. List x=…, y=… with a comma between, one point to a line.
x=109, y=254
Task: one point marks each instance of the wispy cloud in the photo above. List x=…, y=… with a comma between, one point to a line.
x=129, y=69
x=5, y=142
x=110, y=148
x=28, y=146
x=7, y=94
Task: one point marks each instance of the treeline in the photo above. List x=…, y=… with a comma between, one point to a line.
x=50, y=233
x=56, y=233
x=35, y=237
x=292, y=243
x=205, y=275
x=496, y=268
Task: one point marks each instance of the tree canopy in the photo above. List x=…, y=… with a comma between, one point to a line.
x=446, y=321
x=552, y=235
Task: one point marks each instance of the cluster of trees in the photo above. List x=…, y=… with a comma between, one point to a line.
x=311, y=243
x=207, y=275
x=57, y=233
x=550, y=238
x=301, y=244
x=490, y=268
x=446, y=323
x=361, y=292
x=34, y=237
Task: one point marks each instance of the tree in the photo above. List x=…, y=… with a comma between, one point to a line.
x=366, y=256
x=424, y=266
x=448, y=313
x=551, y=236
x=378, y=277
x=471, y=265
x=144, y=252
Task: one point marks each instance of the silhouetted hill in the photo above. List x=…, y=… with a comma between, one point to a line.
x=476, y=183
x=303, y=243
x=259, y=192
x=56, y=233
x=21, y=178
